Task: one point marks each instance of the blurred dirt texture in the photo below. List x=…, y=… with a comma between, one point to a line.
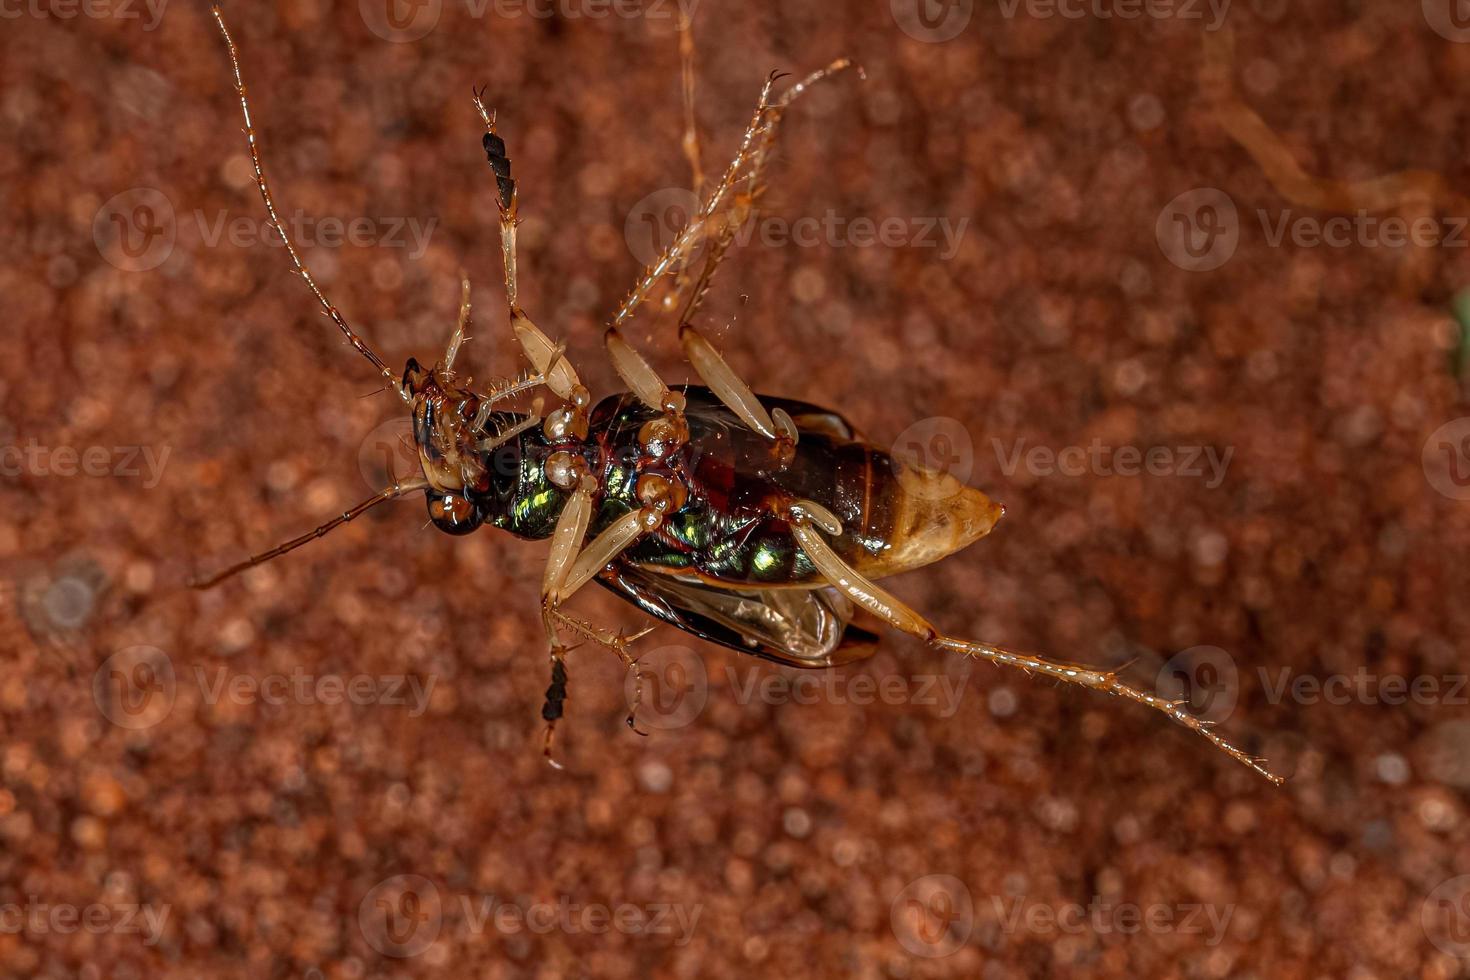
x=330, y=767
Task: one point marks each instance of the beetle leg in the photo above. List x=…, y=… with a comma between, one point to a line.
x=639, y=375
x=883, y=604
x=699, y=225
x=620, y=644
x=711, y=367
x=555, y=704
x=725, y=210
x=570, y=566
x=457, y=339
x=714, y=228
x=743, y=207
x=548, y=359
x=630, y=366
x=566, y=538
x=615, y=539
x=618, y=537
x=571, y=527
x=691, y=128
x=690, y=143
x=506, y=185
x=728, y=386
x=553, y=707
x=500, y=388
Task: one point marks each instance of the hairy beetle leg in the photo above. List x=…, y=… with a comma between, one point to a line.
x=887, y=607
x=619, y=643
x=506, y=186
x=457, y=339
x=547, y=357
x=714, y=227
x=571, y=566
x=725, y=210
x=687, y=77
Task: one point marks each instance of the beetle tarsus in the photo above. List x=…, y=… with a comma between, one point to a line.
x=555, y=706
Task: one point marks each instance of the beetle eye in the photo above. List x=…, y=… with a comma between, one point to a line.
x=413, y=375
x=453, y=514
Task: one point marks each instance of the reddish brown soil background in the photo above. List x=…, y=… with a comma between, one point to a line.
x=796, y=833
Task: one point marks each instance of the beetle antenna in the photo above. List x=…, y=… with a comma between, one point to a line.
x=357, y=342
x=389, y=493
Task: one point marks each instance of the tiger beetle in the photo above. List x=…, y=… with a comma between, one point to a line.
x=755, y=522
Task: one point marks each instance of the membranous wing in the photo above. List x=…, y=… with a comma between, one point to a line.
x=810, y=628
